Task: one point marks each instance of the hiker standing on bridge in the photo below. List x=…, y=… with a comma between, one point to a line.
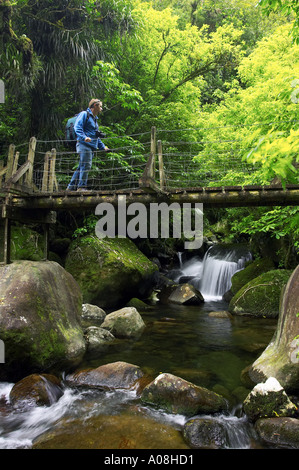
x=87, y=132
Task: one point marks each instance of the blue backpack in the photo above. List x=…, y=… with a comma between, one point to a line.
x=70, y=134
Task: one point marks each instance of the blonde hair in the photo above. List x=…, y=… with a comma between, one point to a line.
x=93, y=102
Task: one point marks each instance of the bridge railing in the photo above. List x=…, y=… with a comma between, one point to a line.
x=158, y=163
x=176, y=164
x=15, y=174
x=50, y=171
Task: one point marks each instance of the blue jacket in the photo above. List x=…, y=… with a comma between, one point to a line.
x=87, y=128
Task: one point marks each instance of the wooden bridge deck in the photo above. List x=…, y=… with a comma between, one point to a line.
x=225, y=196
x=23, y=201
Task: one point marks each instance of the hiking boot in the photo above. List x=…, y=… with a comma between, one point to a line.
x=82, y=189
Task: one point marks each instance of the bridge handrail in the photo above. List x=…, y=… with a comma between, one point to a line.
x=159, y=166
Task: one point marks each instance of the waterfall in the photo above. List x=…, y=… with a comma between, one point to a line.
x=212, y=275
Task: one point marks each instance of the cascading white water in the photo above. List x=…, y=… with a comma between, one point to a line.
x=212, y=276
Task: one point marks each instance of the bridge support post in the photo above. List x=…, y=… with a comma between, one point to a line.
x=43, y=217
x=161, y=166
x=5, y=236
x=31, y=154
x=10, y=162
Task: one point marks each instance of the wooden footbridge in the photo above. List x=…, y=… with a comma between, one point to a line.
x=35, y=190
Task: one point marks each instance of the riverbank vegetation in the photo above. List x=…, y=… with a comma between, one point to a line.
x=223, y=75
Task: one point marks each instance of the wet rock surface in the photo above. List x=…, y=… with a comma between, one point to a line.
x=279, y=432
x=35, y=390
x=124, y=431
x=97, y=339
x=183, y=294
x=205, y=433
x=268, y=400
x=92, y=314
x=177, y=395
x=117, y=375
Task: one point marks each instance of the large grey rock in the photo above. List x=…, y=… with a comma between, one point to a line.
x=281, y=358
x=116, y=375
x=124, y=323
x=97, y=339
x=92, y=314
x=40, y=307
x=205, y=433
x=182, y=294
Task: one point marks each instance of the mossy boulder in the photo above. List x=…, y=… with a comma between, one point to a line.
x=110, y=271
x=250, y=272
x=124, y=323
x=261, y=296
x=176, y=395
x=205, y=433
x=138, y=304
x=40, y=306
x=268, y=400
x=279, y=432
x=281, y=358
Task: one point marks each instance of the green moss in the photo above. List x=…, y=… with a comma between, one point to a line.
x=26, y=244
x=254, y=269
x=261, y=296
x=107, y=267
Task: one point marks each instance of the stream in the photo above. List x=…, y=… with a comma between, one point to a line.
x=182, y=340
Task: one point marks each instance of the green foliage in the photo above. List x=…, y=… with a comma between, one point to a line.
x=277, y=152
x=114, y=90
x=286, y=7
x=259, y=125
x=87, y=228
x=278, y=222
x=218, y=75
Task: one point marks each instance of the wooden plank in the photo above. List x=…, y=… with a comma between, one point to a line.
x=10, y=161
x=152, y=193
x=18, y=175
x=15, y=163
x=3, y=171
x=52, y=170
x=161, y=166
x=46, y=172
x=147, y=171
x=31, y=155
